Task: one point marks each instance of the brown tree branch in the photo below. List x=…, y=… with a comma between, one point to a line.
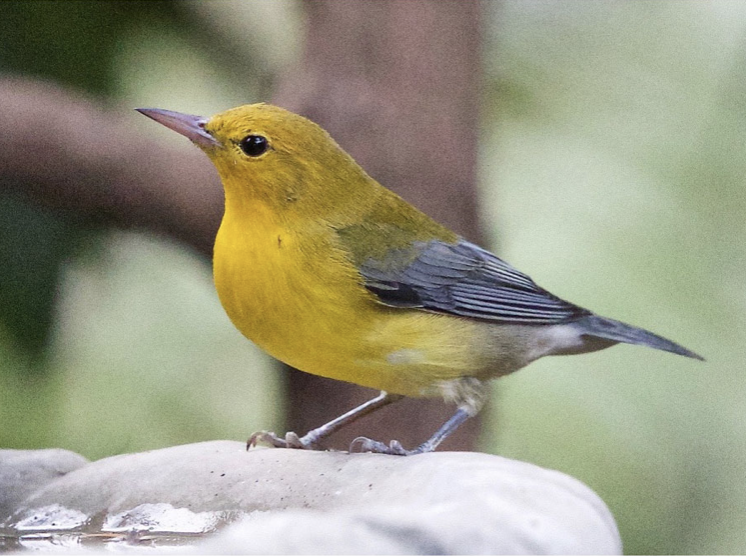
x=65, y=152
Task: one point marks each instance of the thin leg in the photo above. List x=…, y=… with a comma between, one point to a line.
x=395, y=448
x=310, y=440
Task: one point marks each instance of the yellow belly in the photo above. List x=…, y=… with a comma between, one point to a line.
x=298, y=298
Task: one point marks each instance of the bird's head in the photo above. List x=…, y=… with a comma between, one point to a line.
x=267, y=154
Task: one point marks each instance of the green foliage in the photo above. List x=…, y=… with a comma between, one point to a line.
x=33, y=246
x=616, y=151
x=72, y=43
x=69, y=42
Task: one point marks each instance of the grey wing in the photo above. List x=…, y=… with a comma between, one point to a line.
x=465, y=280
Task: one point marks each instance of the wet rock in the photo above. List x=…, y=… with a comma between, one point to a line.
x=23, y=472
x=296, y=502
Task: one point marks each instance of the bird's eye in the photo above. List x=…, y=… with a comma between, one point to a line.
x=254, y=145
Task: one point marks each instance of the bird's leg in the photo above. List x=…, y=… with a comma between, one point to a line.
x=310, y=440
x=468, y=393
x=362, y=444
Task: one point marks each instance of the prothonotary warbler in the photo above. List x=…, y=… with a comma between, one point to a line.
x=335, y=275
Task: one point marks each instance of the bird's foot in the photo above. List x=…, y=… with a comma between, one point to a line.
x=394, y=448
x=291, y=440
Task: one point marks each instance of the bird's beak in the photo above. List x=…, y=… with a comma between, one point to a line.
x=191, y=127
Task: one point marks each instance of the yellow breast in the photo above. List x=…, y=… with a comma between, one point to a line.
x=298, y=297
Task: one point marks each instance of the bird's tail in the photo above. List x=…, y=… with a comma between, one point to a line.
x=616, y=331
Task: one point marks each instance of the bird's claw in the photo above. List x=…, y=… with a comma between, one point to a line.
x=394, y=448
x=291, y=440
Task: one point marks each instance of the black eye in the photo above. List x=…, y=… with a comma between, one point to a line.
x=254, y=145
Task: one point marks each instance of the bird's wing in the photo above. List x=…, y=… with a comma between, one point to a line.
x=463, y=279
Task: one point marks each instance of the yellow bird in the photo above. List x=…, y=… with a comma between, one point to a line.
x=335, y=275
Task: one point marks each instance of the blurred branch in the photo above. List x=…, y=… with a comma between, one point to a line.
x=65, y=152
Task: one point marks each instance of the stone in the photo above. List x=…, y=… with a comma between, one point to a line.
x=23, y=472
x=282, y=501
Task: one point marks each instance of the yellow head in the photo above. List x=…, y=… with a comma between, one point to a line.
x=268, y=155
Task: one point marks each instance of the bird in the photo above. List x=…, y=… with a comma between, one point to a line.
x=332, y=273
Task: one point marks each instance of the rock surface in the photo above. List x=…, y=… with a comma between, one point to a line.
x=23, y=472
x=296, y=502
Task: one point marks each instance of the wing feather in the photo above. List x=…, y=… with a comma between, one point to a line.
x=465, y=280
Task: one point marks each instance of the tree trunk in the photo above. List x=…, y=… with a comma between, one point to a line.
x=396, y=83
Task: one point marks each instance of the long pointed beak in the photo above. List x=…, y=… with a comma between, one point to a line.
x=191, y=127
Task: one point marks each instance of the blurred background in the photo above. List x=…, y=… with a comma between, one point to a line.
x=603, y=155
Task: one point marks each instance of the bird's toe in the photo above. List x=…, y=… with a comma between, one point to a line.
x=363, y=444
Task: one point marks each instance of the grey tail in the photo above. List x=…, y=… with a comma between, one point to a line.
x=616, y=331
